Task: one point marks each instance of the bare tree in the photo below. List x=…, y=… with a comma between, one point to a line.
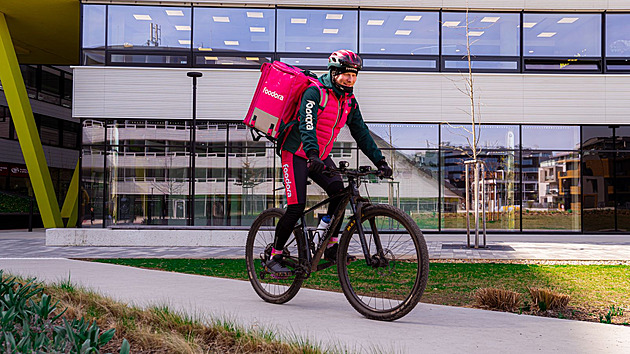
x=472, y=136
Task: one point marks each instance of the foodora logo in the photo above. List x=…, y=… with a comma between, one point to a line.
x=273, y=94
x=287, y=180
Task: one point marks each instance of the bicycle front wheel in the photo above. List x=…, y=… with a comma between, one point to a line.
x=257, y=252
x=392, y=285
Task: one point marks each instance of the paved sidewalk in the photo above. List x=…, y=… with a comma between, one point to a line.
x=22, y=244
x=328, y=319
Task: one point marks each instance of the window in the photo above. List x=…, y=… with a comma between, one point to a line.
x=550, y=137
x=240, y=30
x=618, y=35
x=489, y=136
x=70, y=134
x=570, y=35
x=406, y=136
x=316, y=31
x=397, y=32
x=5, y=123
x=622, y=135
x=93, y=26
x=49, y=131
x=490, y=37
x=29, y=73
x=148, y=27
x=50, y=85
x=490, y=34
x=617, y=42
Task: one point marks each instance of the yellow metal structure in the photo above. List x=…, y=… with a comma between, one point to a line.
x=70, y=209
x=24, y=122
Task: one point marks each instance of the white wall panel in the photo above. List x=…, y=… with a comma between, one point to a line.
x=383, y=97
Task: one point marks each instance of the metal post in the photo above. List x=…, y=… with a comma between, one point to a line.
x=476, y=201
x=483, y=201
x=467, y=195
x=194, y=75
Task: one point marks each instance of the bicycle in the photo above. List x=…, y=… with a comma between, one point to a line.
x=391, y=269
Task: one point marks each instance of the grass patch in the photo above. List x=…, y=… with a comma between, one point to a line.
x=593, y=289
x=159, y=329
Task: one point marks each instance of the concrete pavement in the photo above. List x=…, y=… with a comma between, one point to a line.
x=328, y=319
x=18, y=243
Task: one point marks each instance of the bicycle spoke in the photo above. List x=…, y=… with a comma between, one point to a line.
x=395, y=279
x=258, y=251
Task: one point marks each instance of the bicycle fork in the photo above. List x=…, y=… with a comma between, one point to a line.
x=378, y=258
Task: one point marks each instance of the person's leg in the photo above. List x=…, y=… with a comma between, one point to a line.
x=332, y=184
x=294, y=175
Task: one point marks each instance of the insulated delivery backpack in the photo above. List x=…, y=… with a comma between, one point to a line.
x=277, y=99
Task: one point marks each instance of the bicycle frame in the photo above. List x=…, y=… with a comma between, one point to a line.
x=350, y=195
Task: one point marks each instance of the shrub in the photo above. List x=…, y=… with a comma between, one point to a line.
x=545, y=299
x=30, y=322
x=497, y=299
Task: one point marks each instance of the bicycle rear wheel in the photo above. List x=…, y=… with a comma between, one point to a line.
x=391, y=289
x=258, y=250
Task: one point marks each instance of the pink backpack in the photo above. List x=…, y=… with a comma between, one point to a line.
x=277, y=99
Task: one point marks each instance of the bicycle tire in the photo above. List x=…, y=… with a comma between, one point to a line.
x=384, y=293
x=257, y=250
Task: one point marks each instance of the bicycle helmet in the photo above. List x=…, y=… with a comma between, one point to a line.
x=343, y=61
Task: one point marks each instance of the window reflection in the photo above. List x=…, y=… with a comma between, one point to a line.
x=489, y=136
x=618, y=35
x=394, y=32
x=92, y=186
x=148, y=27
x=622, y=168
x=622, y=135
x=234, y=29
x=495, y=34
x=384, y=64
x=481, y=64
x=562, y=35
x=597, y=138
x=406, y=135
x=93, y=26
x=551, y=190
x=317, y=63
x=551, y=137
x=250, y=182
x=415, y=187
x=316, y=31
x=501, y=181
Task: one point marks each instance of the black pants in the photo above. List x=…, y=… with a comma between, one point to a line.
x=295, y=175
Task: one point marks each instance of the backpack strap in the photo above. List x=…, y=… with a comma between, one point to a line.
x=323, y=93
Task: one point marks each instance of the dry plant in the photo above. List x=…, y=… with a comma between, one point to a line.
x=497, y=299
x=545, y=299
x=158, y=329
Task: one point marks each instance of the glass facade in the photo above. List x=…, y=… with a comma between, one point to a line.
x=538, y=178
x=388, y=40
x=547, y=177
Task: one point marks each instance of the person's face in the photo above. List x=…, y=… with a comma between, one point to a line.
x=346, y=79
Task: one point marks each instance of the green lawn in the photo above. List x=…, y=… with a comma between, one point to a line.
x=593, y=288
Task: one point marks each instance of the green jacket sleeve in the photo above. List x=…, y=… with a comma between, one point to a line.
x=308, y=118
x=361, y=134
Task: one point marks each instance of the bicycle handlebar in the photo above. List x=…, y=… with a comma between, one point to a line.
x=362, y=171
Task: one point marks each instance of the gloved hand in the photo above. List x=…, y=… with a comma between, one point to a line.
x=384, y=168
x=315, y=164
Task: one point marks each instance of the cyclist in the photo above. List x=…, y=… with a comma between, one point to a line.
x=305, y=148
